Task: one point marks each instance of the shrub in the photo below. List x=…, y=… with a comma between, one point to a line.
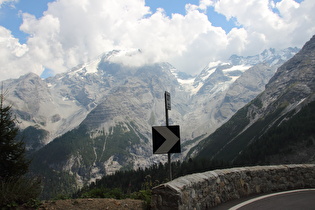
x=144, y=195
x=18, y=191
x=115, y=193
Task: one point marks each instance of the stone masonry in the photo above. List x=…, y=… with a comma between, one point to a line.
x=208, y=189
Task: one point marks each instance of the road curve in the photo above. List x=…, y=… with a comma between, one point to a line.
x=288, y=200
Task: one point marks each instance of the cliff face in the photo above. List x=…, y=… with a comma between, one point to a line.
x=294, y=80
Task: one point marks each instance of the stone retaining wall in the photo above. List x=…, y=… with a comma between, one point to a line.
x=208, y=189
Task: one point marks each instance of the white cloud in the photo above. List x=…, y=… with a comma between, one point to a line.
x=44, y=41
x=204, y=4
x=14, y=57
x=299, y=19
x=266, y=28
x=71, y=32
x=11, y=2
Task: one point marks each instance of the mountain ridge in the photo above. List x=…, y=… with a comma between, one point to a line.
x=291, y=88
x=106, y=110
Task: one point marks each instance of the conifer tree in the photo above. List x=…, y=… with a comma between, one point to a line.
x=13, y=163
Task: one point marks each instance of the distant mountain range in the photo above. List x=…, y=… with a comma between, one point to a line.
x=96, y=118
x=277, y=126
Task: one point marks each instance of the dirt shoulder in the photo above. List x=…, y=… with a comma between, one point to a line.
x=92, y=203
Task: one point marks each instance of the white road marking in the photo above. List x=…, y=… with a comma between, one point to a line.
x=265, y=196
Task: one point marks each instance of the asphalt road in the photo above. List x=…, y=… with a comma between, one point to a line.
x=303, y=199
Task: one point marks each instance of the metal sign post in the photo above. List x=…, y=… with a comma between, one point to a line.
x=167, y=96
x=166, y=139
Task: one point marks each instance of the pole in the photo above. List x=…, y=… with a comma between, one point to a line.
x=167, y=97
x=169, y=163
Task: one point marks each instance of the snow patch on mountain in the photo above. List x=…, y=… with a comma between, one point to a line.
x=238, y=68
x=242, y=68
x=214, y=64
x=188, y=85
x=92, y=66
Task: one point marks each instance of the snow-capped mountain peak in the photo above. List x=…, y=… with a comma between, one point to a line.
x=117, y=104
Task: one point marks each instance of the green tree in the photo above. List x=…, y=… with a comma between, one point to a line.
x=15, y=187
x=13, y=163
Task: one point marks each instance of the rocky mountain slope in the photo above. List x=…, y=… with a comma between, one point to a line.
x=96, y=118
x=277, y=120
x=223, y=88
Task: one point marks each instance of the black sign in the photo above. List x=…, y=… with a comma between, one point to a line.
x=166, y=139
x=167, y=100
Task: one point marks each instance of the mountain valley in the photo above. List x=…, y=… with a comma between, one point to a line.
x=96, y=118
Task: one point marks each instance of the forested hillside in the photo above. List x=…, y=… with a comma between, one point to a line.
x=291, y=142
x=137, y=183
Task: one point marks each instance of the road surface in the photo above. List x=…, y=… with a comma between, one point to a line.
x=303, y=199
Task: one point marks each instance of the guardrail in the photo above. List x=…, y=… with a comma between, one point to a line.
x=208, y=189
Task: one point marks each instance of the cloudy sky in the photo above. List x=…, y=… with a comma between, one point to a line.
x=54, y=36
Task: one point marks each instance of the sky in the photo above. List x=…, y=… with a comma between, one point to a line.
x=48, y=37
